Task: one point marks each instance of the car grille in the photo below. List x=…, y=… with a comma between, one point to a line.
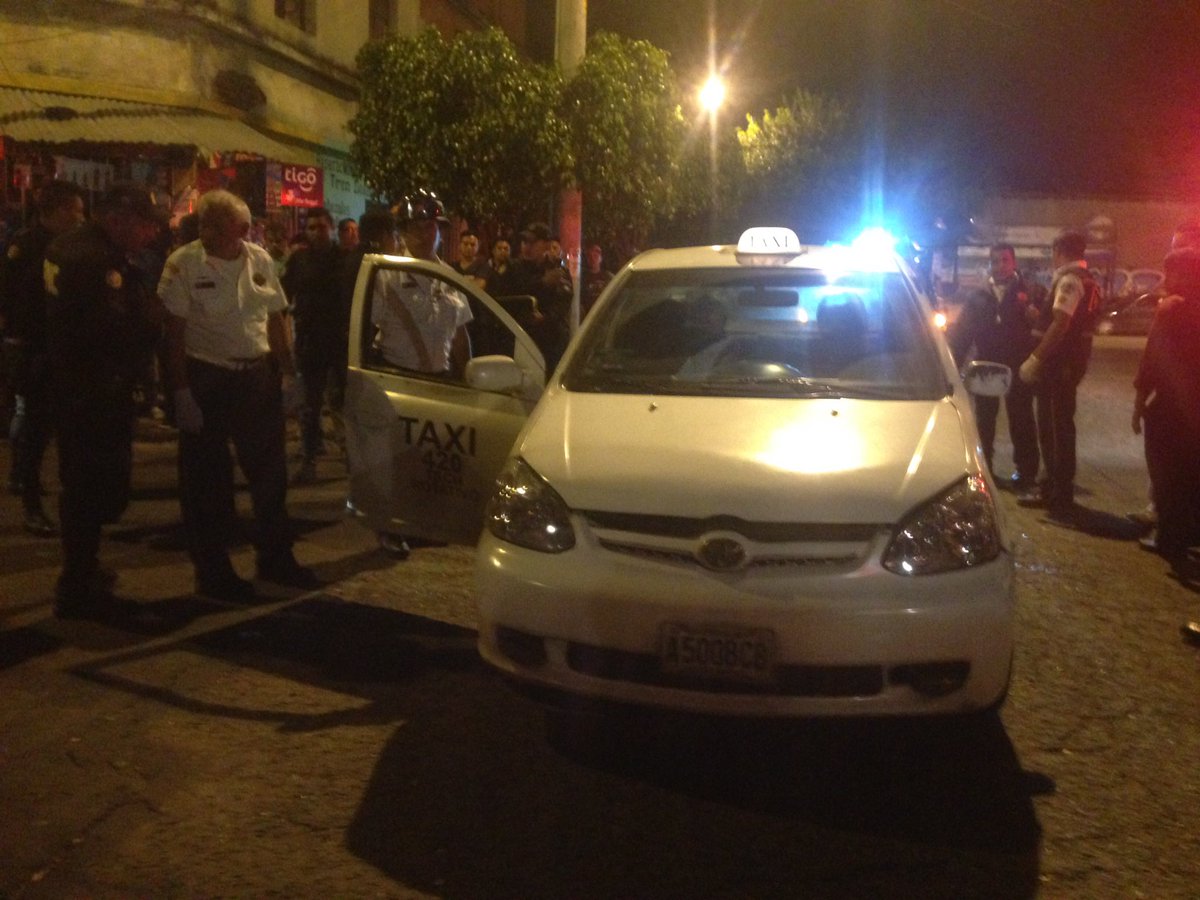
x=675, y=539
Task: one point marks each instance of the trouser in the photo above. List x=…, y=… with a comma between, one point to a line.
x=245, y=407
x=95, y=464
x=30, y=429
x=1022, y=428
x=316, y=377
x=1056, y=397
x=1171, y=453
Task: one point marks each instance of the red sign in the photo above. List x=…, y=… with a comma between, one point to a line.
x=303, y=186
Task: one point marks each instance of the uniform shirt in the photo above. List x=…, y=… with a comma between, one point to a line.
x=100, y=326
x=417, y=318
x=1068, y=287
x=225, y=302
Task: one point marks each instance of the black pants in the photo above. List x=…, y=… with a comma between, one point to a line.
x=1172, y=449
x=1056, y=396
x=245, y=407
x=1022, y=428
x=95, y=462
x=31, y=426
x=317, y=374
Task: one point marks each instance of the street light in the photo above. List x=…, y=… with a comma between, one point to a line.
x=712, y=95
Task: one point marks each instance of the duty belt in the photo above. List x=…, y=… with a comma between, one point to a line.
x=235, y=364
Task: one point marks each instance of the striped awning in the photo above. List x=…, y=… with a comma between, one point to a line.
x=43, y=117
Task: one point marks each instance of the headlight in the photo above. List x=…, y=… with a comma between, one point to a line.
x=526, y=511
x=954, y=531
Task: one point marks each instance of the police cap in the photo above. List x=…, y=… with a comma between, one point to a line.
x=421, y=206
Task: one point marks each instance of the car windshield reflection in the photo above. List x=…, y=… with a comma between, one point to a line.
x=770, y=333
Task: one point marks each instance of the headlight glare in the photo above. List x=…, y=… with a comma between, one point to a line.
x=954, y=531
x=527, y=512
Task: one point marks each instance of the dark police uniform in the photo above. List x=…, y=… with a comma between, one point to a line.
x=24, y=309
x=554, y=296
x=1059, y=383
x=101, y=331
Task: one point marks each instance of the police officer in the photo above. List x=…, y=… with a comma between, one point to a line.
x=230, y=363
x=1056, y=367
x=423, y=322
x=997, y=322
x=23, y=294
x=546, y=278
x=102, y=326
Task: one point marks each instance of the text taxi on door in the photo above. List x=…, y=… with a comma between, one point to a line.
x=752, y=487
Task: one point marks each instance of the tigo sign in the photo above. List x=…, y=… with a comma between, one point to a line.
x=303, y=186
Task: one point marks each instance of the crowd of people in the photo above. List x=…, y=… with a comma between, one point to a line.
x=226, y=325
x=244, y=326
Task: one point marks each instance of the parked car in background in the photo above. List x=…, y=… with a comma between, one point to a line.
x=1134, y=317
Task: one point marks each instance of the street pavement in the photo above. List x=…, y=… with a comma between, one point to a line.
x=349, y=743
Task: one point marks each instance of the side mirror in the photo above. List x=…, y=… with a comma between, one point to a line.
x=987, y=379
x=497, y=374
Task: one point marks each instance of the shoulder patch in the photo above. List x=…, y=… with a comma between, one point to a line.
x=50, y=278
x=14, y=252
x=113, y=279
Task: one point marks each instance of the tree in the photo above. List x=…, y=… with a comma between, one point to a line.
x=622, y=108
x=799, y=163
x=466, y=118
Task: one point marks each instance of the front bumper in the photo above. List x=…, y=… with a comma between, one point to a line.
x=848, y=638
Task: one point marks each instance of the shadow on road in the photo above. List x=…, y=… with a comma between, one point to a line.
x=1101, y=524
x=346, y=647
x=471, y=801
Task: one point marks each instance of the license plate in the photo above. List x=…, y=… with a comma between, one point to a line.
x=714, y=652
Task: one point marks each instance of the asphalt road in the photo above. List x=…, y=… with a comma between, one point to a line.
x=348, y=743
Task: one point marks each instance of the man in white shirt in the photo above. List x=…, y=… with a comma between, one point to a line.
x=230, y=363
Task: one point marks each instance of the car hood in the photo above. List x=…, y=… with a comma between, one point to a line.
x=784, y=460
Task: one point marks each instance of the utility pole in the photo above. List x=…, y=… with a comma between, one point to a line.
x=570, y=44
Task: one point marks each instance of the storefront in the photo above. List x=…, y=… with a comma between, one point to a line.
x=179, y=152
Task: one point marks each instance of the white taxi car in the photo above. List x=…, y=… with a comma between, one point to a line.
x=752, y=487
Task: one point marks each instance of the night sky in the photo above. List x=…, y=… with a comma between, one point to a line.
x=1094, y=97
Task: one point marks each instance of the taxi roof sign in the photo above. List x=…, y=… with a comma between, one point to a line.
x=769, y=241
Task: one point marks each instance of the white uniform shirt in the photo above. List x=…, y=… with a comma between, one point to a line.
x=417, y=318
x=225, y=302
x=1069, y=288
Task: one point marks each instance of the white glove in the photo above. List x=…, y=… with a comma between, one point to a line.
x=1029, y=370
x=188, y=416
x=293, y=395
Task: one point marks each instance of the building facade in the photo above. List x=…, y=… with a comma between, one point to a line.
x=191, y=94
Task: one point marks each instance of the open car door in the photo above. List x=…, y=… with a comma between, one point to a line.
x=425, y=442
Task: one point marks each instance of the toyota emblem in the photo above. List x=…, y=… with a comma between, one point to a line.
x=721, y=554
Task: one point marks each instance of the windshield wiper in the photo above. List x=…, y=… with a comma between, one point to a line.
x=603, y=382
x=805, y=387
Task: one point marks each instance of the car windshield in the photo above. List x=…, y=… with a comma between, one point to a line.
x=763, y=333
